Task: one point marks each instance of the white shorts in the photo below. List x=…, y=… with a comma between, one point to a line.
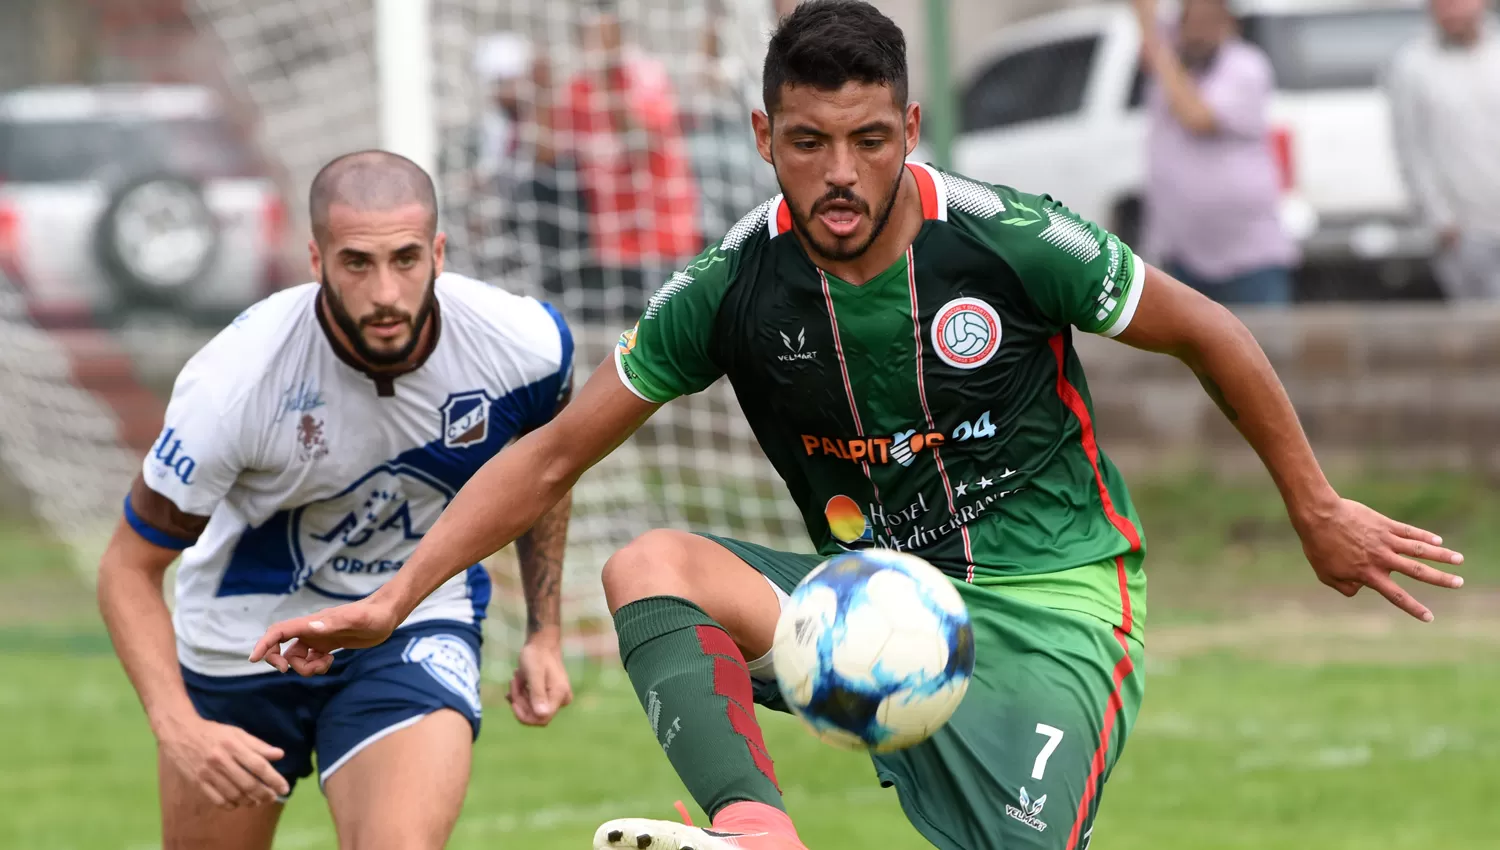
x=764, y=667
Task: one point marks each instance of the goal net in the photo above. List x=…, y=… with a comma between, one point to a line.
x=59, y=443
x=583, y=150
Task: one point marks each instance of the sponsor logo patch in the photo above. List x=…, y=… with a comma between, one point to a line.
x=301, y=397
x=169, y=458
x=846, y=522
x=901, y=447
x=796, y=352
x=450, y=661
x=904, y=529
x=1029, y=810
x=627, y=339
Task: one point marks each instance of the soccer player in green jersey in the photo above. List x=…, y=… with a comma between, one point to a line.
x=900, y=339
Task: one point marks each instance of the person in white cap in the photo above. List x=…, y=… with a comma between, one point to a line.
x=508, y=65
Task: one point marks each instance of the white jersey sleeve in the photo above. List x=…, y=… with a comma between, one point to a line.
x=200, y=452
x=555, y=391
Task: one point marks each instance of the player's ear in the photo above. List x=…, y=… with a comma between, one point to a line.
x=315, y=259
x=761, y=122
x=439, y=252
x=913, y=126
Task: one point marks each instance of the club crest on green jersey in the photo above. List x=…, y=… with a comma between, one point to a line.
x=966, y=333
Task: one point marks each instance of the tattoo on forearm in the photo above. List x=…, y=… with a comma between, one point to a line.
x=540, y=552
x=1211, y=387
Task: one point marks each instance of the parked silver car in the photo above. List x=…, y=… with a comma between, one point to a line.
x=118, y=201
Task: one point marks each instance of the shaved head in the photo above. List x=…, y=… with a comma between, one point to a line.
x=377, y=253
x=370, y=181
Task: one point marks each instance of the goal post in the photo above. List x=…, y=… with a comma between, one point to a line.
x=407, y=99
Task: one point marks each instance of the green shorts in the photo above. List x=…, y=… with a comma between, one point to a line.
x=1023, y=762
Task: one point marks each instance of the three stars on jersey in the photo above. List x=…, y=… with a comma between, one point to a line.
x=984, y=483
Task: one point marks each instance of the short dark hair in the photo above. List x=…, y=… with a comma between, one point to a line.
x=370, y=180
x=828, y=43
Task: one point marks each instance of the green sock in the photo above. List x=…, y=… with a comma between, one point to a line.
x=692, y=681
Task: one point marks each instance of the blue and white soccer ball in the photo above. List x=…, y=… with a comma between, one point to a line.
x=874, y=651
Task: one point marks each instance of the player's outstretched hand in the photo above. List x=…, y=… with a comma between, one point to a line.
x=1358, y=547
x=310, y=641
x=540, y=687
x=230, y=767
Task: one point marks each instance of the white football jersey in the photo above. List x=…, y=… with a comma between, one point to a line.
x=318, y=480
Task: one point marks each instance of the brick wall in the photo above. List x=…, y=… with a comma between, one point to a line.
x=1403, y=386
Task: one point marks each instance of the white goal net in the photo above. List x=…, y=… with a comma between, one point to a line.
x=582, y=151
x=59, y=443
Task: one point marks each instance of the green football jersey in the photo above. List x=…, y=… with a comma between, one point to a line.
x=939, y=408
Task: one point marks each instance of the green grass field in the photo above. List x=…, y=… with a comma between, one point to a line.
x=1278, y=714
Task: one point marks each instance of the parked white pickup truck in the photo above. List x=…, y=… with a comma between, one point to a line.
x=1054, y=106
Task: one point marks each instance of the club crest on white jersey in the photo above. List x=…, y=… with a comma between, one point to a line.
x=466, y=419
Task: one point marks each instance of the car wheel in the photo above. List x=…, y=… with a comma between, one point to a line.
x=156, y=239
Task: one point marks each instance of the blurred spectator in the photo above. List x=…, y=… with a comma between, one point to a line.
x=721, y=143
x=1212, y=192
x=519, y=171
x=1445, y=103
x=516, y=75
x=621, y=124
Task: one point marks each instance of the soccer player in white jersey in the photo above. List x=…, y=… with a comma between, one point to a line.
x=306, y=450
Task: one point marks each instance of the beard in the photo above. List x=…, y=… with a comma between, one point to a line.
x=801, y=222
x=354, y=328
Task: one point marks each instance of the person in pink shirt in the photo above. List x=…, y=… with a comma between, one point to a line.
x=1213, y=192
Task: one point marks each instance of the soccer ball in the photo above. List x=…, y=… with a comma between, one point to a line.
x=874, y=651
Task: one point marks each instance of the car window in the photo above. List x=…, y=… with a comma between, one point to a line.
x=1337, y=50
x=1030, y=85
x=61, y=151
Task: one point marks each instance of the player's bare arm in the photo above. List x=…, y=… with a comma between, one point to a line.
x=504, y=499
x=540, y=552
x=230, y=766
x=540, y=685
x=1349, y=545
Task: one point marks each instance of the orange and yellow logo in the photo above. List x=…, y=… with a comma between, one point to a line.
x=845, y=520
